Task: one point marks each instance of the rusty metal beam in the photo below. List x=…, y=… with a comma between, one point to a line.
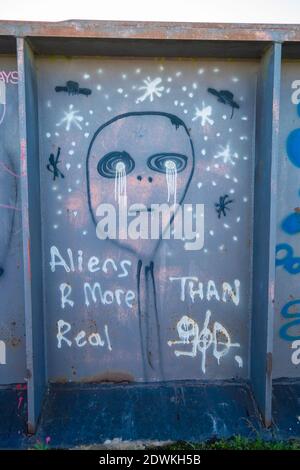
x=152, y=30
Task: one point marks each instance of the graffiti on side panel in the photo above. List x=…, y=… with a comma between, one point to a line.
x=2, y=101
x=2, y=353
x=285, y=258
x=286, y=253
x=8, y=192
x=290, y=331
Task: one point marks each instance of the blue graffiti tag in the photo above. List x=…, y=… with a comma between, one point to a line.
x=293, y=144
x=291, y=224
x=284, y=330
x=293, y=147
x=289, y=262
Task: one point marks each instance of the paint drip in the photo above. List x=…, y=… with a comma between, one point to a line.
x=2, y=100
x=171, y=178
x=120, y=183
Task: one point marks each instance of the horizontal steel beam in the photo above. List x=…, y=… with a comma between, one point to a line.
x=153, y=30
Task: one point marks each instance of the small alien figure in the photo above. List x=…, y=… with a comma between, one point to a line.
x=222, y=205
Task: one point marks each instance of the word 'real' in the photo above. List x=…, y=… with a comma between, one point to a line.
x=11, y=77
x=225, y=97
x=72, y=88
x=201, y=340
x=81, y=339
x=53, y=165
x=191, y=286
x=289, y=262
x=222, y=205
x=2, y=353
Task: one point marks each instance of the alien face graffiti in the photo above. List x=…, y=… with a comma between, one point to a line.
x=144, y=158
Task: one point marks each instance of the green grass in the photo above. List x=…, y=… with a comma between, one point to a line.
x=236, y=443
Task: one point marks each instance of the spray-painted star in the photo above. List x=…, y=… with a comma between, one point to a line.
x=226, y=154
x=151, y=89
x=204, y=114
x=71, y=117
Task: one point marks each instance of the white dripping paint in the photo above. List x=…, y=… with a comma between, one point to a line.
x=239, y=360
x=2, y=353
x=120, y=183
x=171, y=179
x=2, y=99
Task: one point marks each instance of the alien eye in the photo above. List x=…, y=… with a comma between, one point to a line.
x=162, y=162
x=112, y=162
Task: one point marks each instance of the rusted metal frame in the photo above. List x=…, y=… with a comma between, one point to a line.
x=265, y=202
x=152, y=30
x=31, y=227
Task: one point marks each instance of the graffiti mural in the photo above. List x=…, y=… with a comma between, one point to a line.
x=287, y=319
x=12, y=343
x=134, y=240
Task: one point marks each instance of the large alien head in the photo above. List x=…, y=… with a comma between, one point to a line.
x=146, y=157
